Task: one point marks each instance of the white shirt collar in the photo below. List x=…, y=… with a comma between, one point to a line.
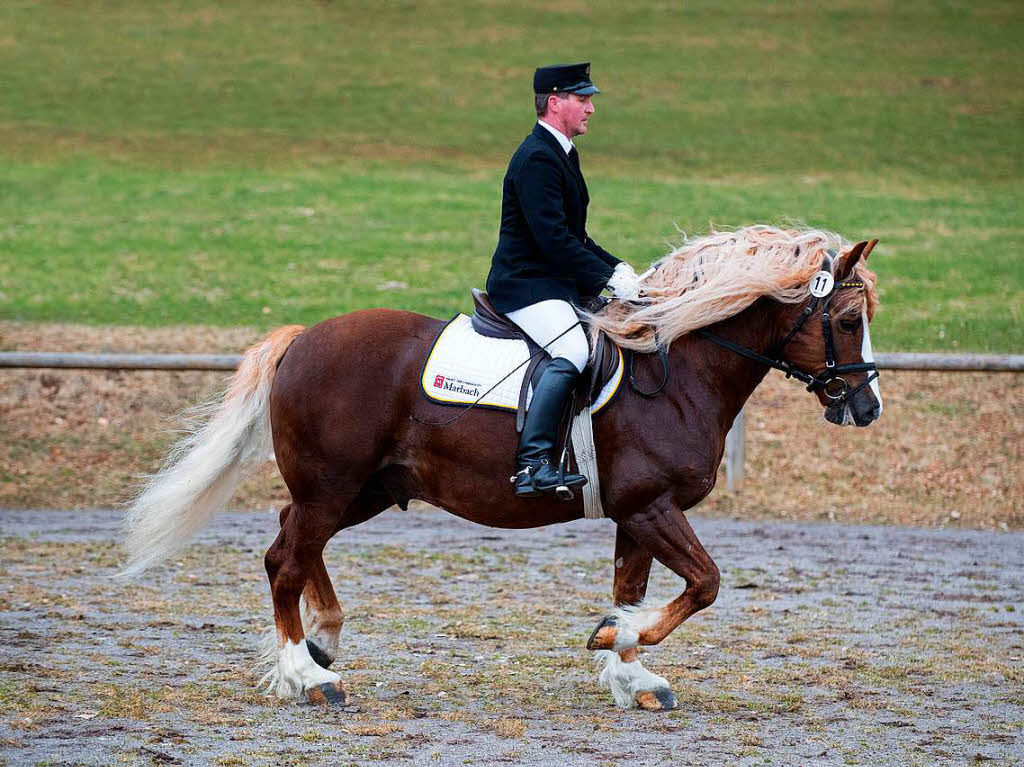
x=562, y=138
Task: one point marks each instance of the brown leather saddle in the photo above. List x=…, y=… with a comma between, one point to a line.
x=603, y=365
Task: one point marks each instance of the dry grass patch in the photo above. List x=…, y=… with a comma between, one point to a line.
x=373, y=730
x=509, y=727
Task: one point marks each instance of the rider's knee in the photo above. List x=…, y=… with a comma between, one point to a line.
x=575, y=349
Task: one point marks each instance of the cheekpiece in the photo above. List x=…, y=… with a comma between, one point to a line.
x=564, y=78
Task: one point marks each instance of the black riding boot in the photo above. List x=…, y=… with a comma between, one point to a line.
x=536, y=469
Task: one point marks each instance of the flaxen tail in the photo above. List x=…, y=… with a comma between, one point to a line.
x=230, y=438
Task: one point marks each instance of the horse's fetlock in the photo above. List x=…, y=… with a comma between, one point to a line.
x=330, y=620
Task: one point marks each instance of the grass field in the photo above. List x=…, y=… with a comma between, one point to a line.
x=262, y=163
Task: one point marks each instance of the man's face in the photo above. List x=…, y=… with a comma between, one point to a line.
x=573, y=113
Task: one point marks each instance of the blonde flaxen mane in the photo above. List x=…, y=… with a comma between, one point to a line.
x=711, y=278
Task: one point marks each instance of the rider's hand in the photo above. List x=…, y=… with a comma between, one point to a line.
x=624, y=282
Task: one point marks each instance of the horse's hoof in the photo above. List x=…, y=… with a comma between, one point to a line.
x=327, y=694
x=660, y=699
x=605, y=634
x=322, y=659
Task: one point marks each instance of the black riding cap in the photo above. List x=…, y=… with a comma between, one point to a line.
x=564, y=78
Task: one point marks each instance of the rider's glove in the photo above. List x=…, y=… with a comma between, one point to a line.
x=624, y=283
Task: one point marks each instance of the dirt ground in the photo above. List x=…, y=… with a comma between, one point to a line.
x=947, y=452
x=829, y=644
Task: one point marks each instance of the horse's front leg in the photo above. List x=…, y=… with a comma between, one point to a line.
x=622, y=673
x=661, y=531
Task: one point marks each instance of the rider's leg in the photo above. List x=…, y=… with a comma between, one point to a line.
x=550, y=325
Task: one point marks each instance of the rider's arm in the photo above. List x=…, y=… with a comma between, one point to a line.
x=601, y=253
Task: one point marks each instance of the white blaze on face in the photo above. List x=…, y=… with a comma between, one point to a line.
x=867, y=356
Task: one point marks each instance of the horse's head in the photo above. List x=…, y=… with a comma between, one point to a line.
x=832, y=341
x=815, y=300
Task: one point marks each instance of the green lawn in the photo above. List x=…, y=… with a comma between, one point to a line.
x=259, y=163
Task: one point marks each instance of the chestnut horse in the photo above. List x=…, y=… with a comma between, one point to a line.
x=340, y=406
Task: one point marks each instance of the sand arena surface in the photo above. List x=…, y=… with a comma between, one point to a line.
x=829, y=644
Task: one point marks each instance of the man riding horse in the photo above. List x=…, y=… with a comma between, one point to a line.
x=545, y=262
x=341, y=407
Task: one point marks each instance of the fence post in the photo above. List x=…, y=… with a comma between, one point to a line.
x=735, y=454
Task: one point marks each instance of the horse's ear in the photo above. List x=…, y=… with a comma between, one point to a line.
x=868, y=248
x=853, y=255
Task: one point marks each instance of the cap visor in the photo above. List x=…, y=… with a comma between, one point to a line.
x=587, y=90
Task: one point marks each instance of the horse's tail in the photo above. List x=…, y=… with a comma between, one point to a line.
x=228, y=438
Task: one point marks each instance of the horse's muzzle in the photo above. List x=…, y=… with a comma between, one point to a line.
x=861, y=410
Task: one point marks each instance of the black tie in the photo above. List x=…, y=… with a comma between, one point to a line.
x=574, y=158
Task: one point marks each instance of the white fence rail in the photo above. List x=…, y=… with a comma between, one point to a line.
x=89, y=361
x=735, y=442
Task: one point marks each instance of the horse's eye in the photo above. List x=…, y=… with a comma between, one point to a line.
x=849, y=326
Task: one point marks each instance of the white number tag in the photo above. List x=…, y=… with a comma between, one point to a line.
x=821, y=284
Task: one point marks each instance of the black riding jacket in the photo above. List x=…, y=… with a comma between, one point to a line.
x=543, y=249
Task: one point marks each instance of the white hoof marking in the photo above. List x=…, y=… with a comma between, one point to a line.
x=632, y=620
x=294, y=672
x=625, y=680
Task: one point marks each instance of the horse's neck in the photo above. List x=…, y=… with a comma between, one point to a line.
x=721, y=378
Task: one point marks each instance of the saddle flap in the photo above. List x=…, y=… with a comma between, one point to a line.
x=465, y=367
x=603, y=367
x=488, y=322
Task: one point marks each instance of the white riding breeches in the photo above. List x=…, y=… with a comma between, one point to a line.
x=547, y=320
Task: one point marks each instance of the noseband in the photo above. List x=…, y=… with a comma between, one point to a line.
x=831, y=382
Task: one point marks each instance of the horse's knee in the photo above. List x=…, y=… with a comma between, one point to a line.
x=289, y=581
x=705, y=586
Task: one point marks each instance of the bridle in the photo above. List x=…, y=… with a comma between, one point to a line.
x=831, y=382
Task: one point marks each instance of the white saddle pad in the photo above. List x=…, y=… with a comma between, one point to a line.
x=464, y=367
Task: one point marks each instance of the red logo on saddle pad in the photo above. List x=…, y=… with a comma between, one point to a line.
x=438, y=382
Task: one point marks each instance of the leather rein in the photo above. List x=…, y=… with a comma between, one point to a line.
x=831, y=382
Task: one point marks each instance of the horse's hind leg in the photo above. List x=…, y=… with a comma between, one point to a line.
x=622, y=672
x=295, y=566
x=322, y=616
x=291, y=561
